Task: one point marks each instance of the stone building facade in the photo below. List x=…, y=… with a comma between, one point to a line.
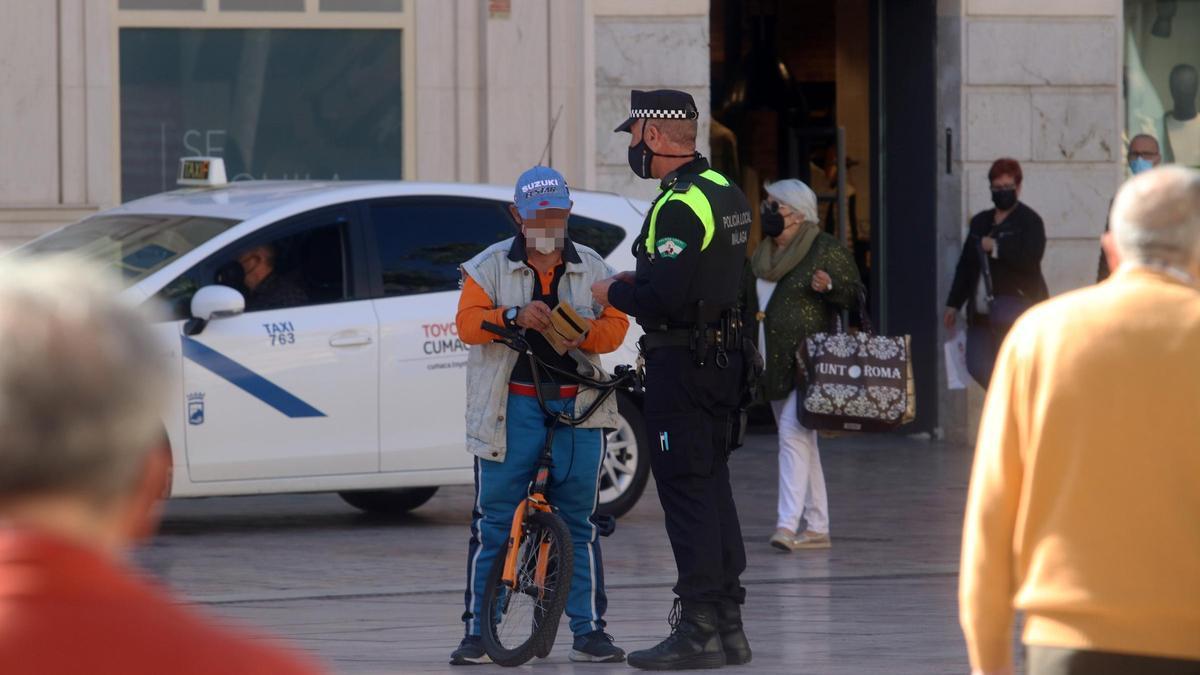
x=1039, y=81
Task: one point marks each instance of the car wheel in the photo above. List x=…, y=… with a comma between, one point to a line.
x=388, y=502
x=626, y=467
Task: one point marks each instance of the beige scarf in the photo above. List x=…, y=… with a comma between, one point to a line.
x=771, y=263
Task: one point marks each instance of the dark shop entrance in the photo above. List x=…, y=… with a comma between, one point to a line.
x=841, y=95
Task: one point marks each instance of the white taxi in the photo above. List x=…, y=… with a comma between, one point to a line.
x=349, y=376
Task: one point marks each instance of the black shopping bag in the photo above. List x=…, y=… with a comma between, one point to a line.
x=858, y=381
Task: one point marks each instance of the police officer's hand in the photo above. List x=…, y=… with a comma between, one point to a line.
x=625, y=277
x=600, y=290
x=821, y=281
x=988, y=244
x=535, y=315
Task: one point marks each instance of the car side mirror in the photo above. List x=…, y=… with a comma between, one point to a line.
x=213, y=302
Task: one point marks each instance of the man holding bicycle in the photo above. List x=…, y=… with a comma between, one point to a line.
x=516, y=284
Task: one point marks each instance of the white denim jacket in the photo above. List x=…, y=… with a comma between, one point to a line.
x=502, y=273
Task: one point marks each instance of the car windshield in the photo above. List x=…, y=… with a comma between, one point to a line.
x=135, y=245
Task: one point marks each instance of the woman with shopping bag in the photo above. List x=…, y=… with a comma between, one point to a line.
x=799, y=278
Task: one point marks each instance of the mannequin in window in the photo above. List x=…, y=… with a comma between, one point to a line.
x=1181, y=122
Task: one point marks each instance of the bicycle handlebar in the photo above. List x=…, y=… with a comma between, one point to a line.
x=507, y=336
x=624, y=375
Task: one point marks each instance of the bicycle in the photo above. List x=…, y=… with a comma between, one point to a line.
x=527, y=587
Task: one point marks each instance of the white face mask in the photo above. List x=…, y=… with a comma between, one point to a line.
x=545, y=241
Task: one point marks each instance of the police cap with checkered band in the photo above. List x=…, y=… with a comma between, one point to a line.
x=660, y=104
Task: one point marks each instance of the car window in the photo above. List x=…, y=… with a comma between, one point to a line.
x=597, y=235
x=296, y=267
x=421, y=242
x=133, y=245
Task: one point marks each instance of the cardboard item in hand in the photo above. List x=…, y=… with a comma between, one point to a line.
x=565, y=326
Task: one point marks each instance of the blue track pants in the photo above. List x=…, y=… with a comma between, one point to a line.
x=499, y=486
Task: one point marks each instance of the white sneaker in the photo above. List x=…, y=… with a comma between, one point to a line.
x=810, y=539
x=784, y=540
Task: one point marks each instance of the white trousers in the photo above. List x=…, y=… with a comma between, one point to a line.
x=801, y=481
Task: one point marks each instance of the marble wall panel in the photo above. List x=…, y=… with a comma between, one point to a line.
x=619, y=179
x=643, y=53
x=1073, y=201
x=1044, y=7
x=517, y=72
x=435, y=35
x=29, y=173
x=998, y=124
x=1076, y=126
x=100, y=74
x=652, y=53
x=1042, y=52
x=1070, y=264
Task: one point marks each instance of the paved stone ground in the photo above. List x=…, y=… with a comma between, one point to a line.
x=377, y=596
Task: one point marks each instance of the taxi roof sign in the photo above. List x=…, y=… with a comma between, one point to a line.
x=201, y=171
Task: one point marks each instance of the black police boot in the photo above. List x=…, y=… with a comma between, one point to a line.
x=694, y=641
x=733, y=638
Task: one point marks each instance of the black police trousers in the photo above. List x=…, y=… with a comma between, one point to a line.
x=687, y=414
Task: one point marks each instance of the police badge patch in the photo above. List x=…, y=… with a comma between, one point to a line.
x=670, y=247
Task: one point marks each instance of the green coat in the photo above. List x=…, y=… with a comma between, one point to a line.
x=796, y=310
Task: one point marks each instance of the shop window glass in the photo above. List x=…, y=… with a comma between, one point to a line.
x=274, y=103
x=1162, y=76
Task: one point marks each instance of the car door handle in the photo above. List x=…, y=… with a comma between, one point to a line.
x=350, y=341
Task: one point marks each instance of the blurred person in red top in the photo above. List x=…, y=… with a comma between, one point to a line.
x=82, y=472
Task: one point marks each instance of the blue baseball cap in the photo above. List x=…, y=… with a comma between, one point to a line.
x=541, y=188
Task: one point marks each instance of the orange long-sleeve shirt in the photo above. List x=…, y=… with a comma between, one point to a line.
x=475, y=307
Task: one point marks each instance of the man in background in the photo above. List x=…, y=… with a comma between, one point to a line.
x=1143, y=155
x=1083, y=500
x=83, y=468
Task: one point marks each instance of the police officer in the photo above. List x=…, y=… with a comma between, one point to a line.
x=689, y=262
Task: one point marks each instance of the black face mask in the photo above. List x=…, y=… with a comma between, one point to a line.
x=640, y=157
x=772, y=220
x=1004, y=199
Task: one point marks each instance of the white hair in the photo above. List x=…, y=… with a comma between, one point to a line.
x=81, y=381
x=1155, y=217
x=797, y=196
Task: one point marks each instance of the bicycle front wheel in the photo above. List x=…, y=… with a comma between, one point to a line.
x=521, y=621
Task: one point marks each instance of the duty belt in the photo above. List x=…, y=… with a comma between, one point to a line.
x=677, y=337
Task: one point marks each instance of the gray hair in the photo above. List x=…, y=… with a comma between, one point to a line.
x=1155, y=217
x=797, y=196
x=679, y=132
x=81, y=382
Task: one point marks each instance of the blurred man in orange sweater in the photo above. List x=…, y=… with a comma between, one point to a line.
x=82, y=470
x=1084, y=501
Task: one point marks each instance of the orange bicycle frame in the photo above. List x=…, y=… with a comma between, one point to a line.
x=536, y=501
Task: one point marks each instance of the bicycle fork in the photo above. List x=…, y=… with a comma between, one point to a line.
x=535, y=500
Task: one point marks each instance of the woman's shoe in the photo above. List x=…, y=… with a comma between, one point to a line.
x=811, y=539
x=784, y=540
